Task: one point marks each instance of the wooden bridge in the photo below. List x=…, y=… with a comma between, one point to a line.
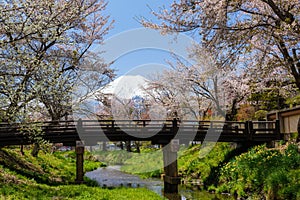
x=157, y=131
x=162, y=132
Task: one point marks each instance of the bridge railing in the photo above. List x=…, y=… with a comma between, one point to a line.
x=257, y=125
x=249, y=127
x=264, y=130
x=262, y=127
x=164, y=125
x=118, y=123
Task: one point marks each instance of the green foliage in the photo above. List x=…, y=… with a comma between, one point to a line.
x=263, y=171
x=260, y=114
x=293, y=101
x=196, y=164
x=294, y=136
x=269, y=99
x=33, y=131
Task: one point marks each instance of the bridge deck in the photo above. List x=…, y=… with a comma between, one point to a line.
x=157, y=131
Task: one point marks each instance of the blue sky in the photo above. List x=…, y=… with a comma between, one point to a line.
x=125, y=12
x=131, y=47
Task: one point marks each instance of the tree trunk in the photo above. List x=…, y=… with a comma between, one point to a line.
x=35, y=150
x=22, y=150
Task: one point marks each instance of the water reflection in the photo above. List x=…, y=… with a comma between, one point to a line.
x=188, y=193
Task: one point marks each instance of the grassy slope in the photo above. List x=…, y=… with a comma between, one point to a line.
x=50, y=176
x=204, y=164
x=271, y=173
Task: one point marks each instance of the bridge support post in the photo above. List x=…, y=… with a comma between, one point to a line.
x=171, y=179
x=79, y=162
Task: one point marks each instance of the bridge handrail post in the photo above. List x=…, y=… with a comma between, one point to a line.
x=79, y=125
x=113, y=124
x=236, y=128
x=249, y=129
x=174, y=123
x=174, y=126
x=246, y=128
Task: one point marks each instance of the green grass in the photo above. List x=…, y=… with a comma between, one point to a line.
x=41, y=191
x=148, y=163
x=51, y=176
x=116, y=157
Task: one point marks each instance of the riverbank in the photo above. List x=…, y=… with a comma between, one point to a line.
x=259, y=173
x=51, y=176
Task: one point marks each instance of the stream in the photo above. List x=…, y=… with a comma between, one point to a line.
x=111, y=176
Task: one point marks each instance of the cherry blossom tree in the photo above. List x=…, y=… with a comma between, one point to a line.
x=44, y=46
x=237, y=91
x=200, y=82
x=259, y=35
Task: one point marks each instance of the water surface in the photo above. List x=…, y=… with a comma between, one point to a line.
x=111, y=177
